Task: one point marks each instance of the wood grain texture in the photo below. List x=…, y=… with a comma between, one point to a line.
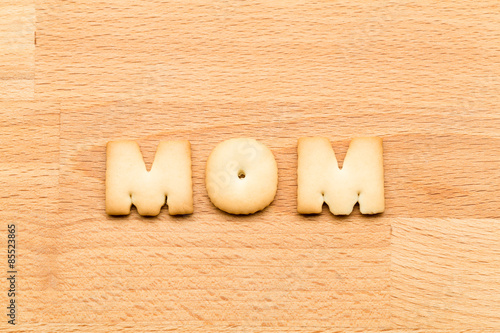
x=17, y=50
x=423, y=75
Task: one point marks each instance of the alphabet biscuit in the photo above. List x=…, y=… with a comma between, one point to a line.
x=241, y=176
x=129, y=183
x=320, y=180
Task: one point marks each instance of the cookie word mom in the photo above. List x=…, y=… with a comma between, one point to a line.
x=242, y=177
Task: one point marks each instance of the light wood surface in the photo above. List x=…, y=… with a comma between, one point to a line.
x=425, y=76
x=17, y=49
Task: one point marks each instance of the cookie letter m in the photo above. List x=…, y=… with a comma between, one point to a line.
x=128, y=181
x=361, y=178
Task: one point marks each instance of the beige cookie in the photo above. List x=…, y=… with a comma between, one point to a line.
x=241, y=176
x=129, y=183
x=361, y=178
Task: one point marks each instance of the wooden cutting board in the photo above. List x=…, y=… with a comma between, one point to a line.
x=424, y=76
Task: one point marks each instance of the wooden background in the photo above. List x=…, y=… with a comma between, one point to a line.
x=424, y=75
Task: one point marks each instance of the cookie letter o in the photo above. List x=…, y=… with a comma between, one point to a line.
x=128, y=182
x=241, y=176
x=320, y=179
